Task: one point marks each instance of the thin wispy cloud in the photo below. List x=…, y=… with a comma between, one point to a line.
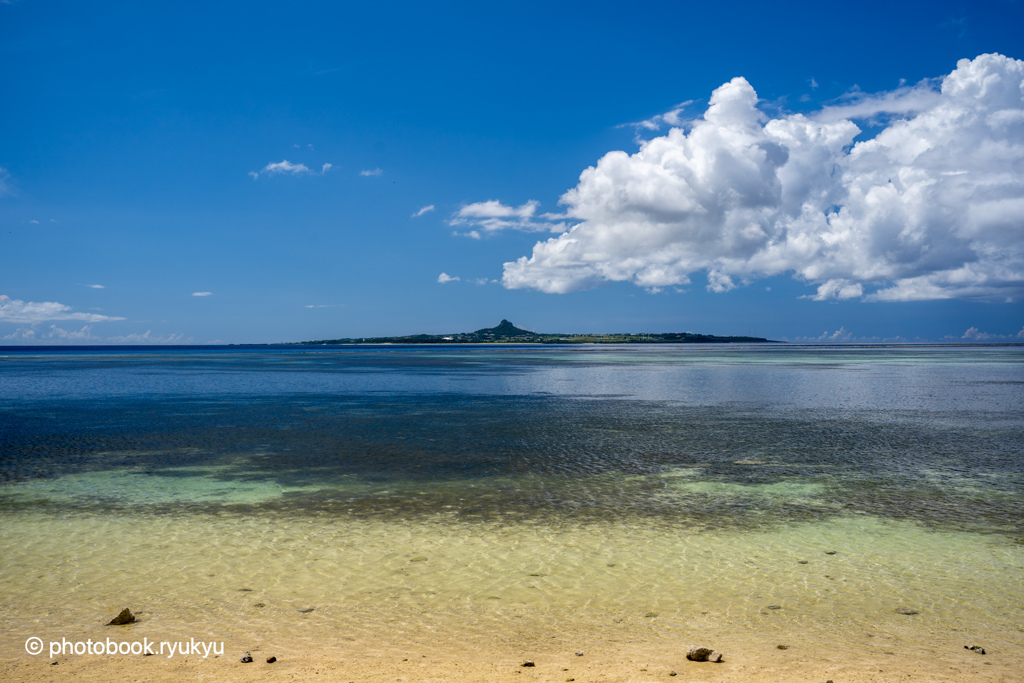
x=202, y=293
x=148, y=337
x=286, y=167
x=53, y=335
x=492, y=216
x=425, y=209
x=96, y=286
x=4, y=176
x=974, y=334
x=34, y=312
x=371, y=172
x=673, y=118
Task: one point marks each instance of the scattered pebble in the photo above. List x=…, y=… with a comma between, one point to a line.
x=53, y=663
x=579, y=654
x=246, y=658
x=418, y=558
x=782, y=647
x=271, y=660
x=651, y=614
x=672, y=673
x=830, y=552
x=245, y=590
x=774, y=606
x=528, y=662
x=801, y=561
x=259, y=604
x=307, y=610
x=906, y=610
x=976, y=648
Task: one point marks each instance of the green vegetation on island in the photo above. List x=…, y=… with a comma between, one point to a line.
x=507, y=333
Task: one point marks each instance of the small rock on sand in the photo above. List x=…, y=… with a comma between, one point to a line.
x=307, y=610
x=125, y=616
x=246, y=658
x=528, y=663
x=271, y=660
x=703, y=654
x=906, y=610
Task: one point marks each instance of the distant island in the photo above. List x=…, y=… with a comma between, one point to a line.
x=507, y=333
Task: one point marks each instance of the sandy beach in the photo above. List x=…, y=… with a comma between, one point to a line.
x=434, y=657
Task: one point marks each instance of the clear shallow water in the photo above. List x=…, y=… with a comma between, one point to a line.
x=536, y=482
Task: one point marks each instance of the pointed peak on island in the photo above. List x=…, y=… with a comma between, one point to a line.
x=504, y=329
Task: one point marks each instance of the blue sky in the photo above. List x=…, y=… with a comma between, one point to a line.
x=262, y=172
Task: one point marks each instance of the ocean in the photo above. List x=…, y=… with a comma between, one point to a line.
x=848, y=497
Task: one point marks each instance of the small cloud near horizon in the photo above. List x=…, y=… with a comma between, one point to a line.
x=202, y=293
x=34, y=312
x=371, y=172
x=444, y=278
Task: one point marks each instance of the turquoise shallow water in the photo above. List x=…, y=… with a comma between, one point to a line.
x=718, y=437
x=563, y=488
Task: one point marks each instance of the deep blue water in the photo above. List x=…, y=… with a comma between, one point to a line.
x=932, y=434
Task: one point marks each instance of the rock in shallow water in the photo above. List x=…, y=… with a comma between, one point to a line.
x=704, y=654
x=124, y=617
x=906, y=610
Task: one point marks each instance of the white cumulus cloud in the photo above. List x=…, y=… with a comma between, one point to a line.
x=34, y=312
x=929, y=208
x=444, y=278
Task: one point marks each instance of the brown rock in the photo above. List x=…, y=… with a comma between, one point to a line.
x=124, y=617
x=704, y=654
